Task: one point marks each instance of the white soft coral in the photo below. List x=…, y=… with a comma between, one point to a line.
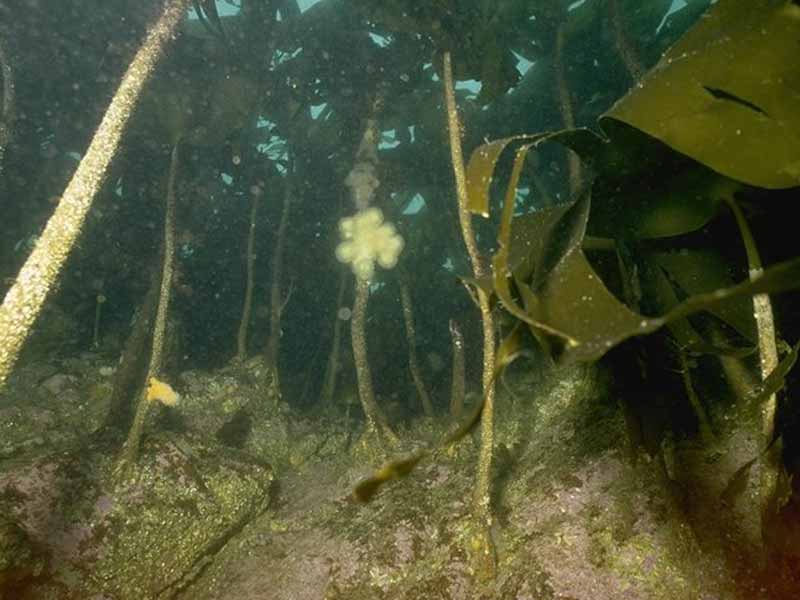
x=367, y=239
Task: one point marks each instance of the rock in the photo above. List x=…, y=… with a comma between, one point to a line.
x=144, y=537
x=18, y=558
x=58, y=383
x=573, y=519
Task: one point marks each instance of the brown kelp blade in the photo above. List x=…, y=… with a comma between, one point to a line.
x=401, y=467
x=368, y=487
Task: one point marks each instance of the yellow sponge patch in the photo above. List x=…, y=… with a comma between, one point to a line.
x=160, y=391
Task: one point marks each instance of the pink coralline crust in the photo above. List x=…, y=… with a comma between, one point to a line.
x=37, y=510
x=33, y=487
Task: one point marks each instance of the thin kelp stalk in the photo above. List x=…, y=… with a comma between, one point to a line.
x=7, y=103
x=250, y=260
x=133, y=361
x=765, y=322
x=565, y=103
x=38, y=275
x=332, y=366
x=481, y=543
x=458, y=371
x=276, y=301
x=363, y=181
x=130, y=450
x=411, y=339
x=100, y=299
x=622, y=43
x=769, y=460
x=311, y=371
x=376, y=420
x=703, y=423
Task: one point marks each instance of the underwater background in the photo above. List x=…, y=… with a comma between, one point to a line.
x=319, y=299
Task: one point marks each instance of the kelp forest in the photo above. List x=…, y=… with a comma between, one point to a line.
x=344, y=299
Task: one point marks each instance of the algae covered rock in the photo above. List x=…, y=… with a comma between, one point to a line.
x=145, y=537
x=19, y=560
x=575, y=518
x=53, y=404
x=239, y=406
